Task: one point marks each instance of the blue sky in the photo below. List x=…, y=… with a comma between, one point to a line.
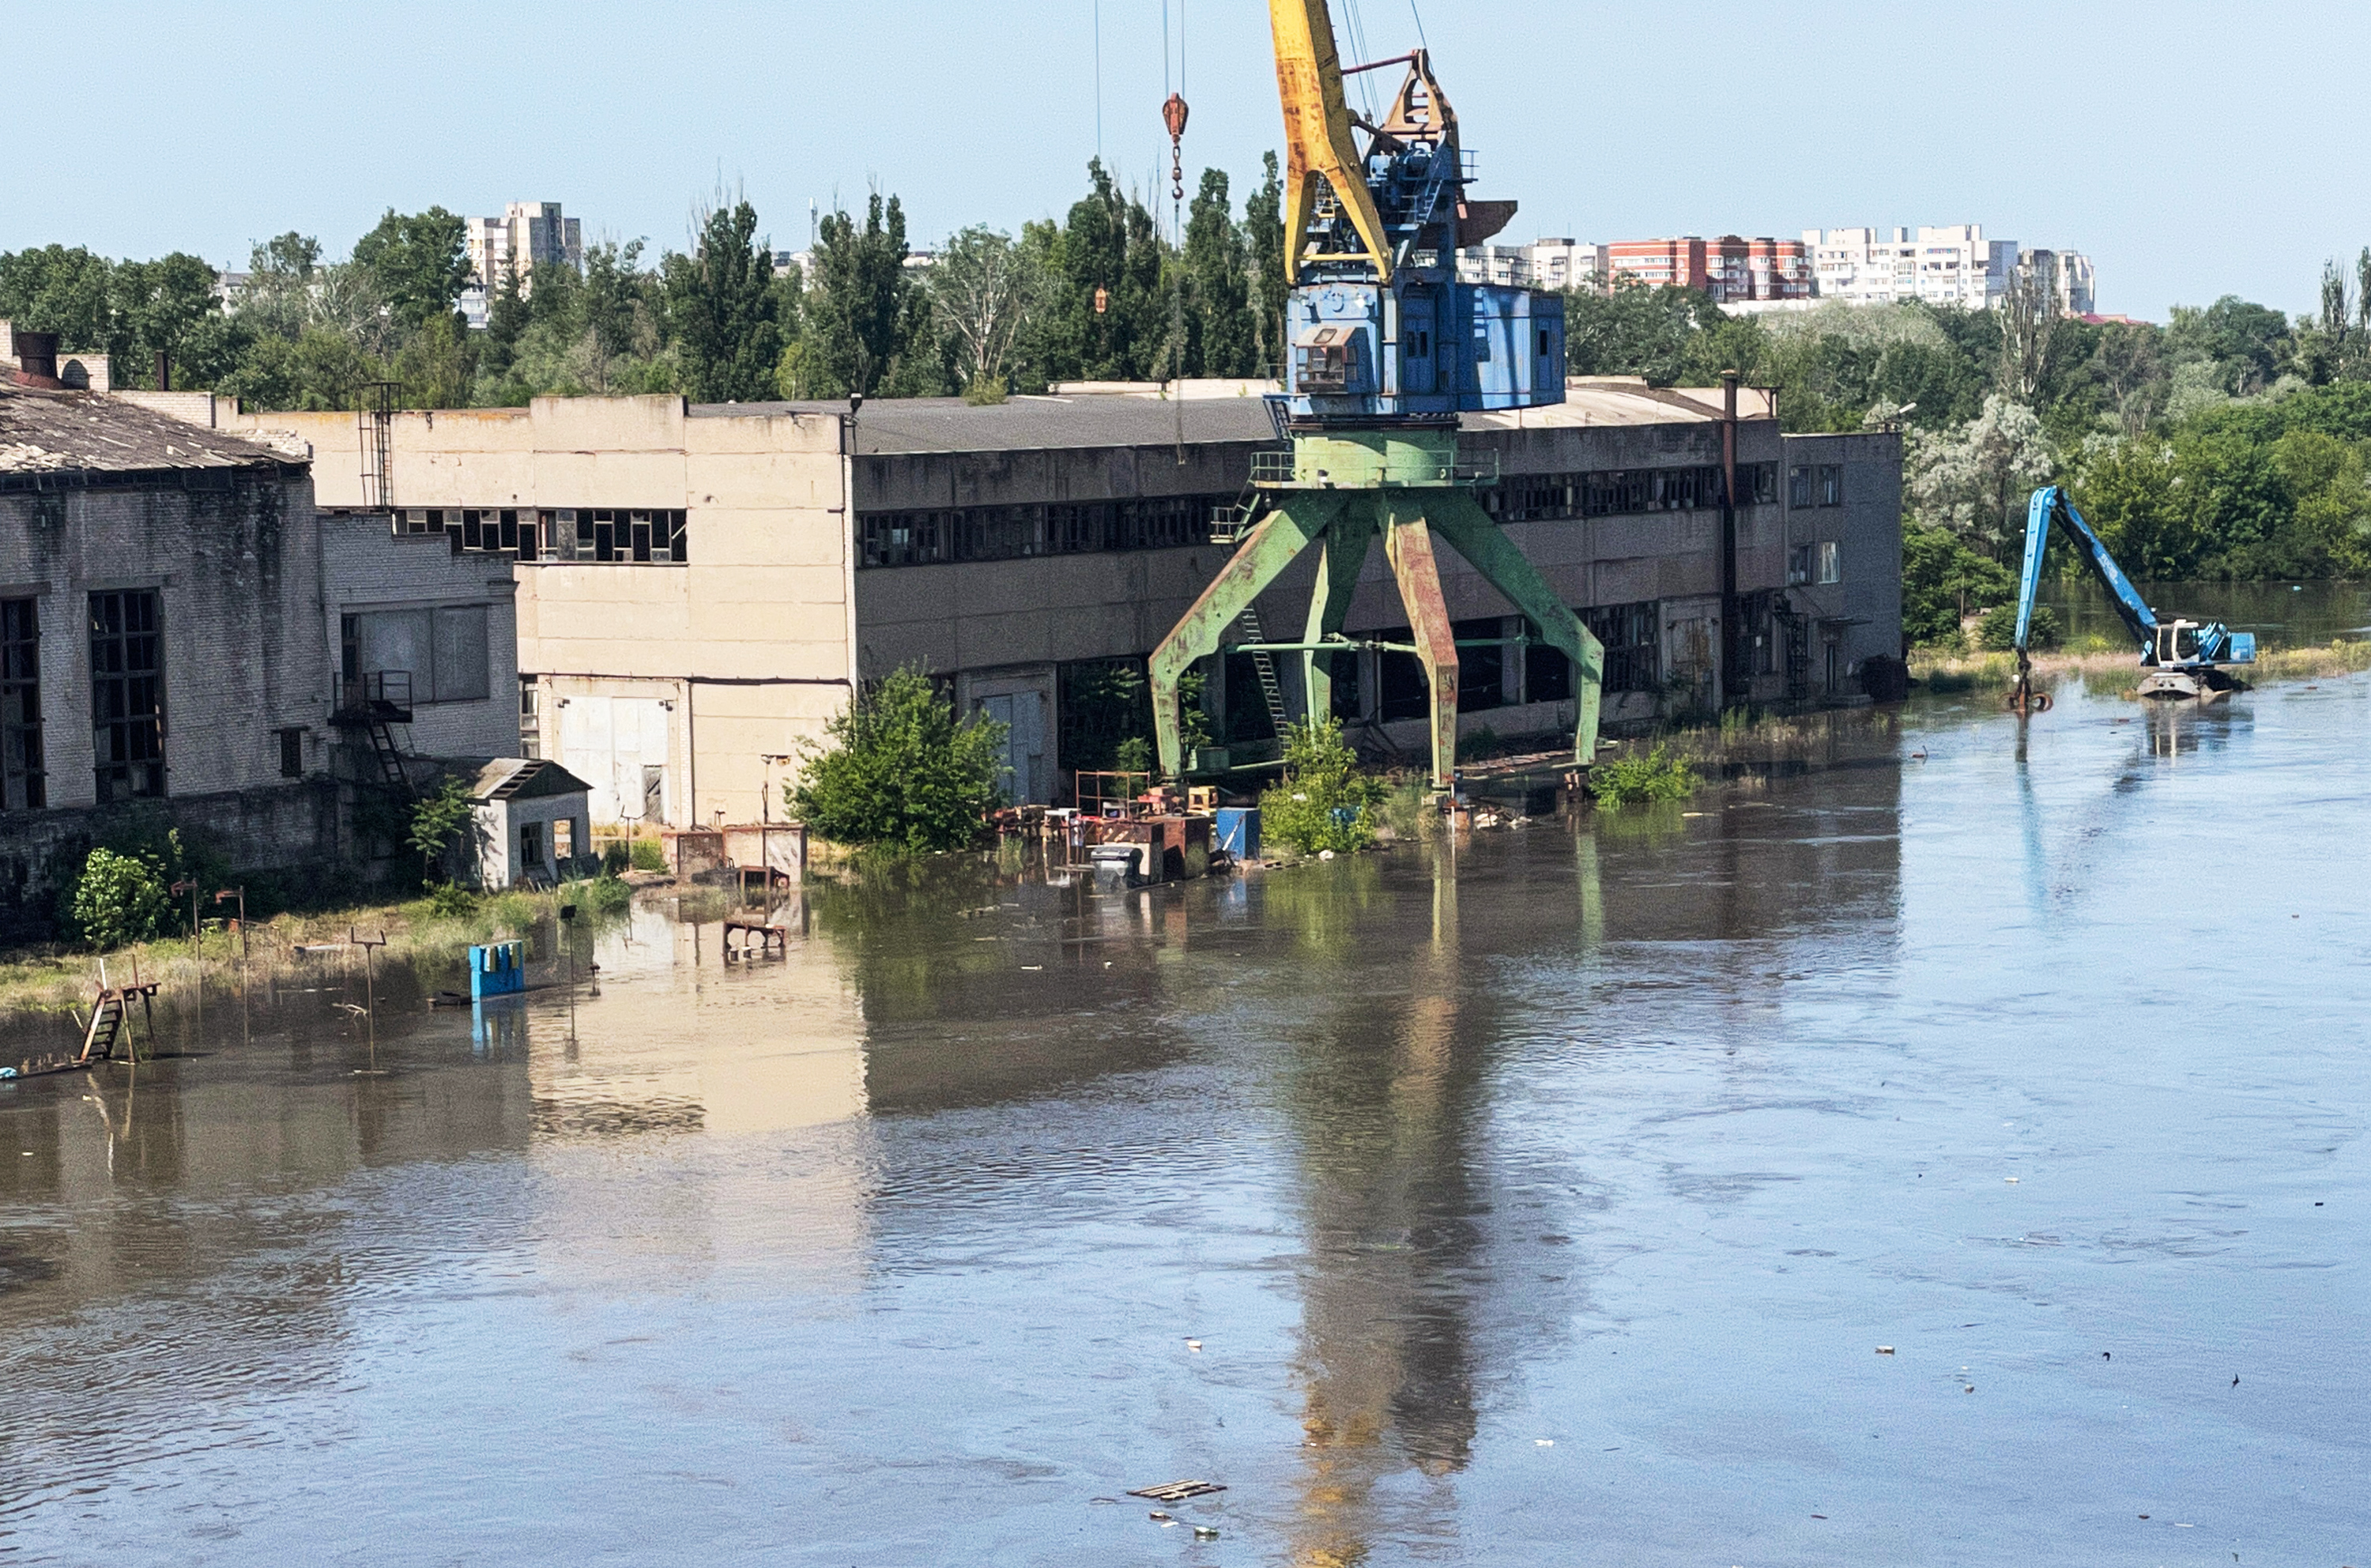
x=2191, y=149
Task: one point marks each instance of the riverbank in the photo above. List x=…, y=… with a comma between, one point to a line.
x=2106, y=669
x=61, y=979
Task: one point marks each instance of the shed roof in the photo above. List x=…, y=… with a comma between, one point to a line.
x=47, y=434
x=523, y=778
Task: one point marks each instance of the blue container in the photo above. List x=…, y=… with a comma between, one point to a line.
x=1238, y=830
x=497, y=969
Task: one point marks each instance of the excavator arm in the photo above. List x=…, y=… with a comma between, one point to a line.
x=2050, y=502
x=1318, y=135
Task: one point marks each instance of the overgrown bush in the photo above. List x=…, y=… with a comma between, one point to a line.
x=437, y=823
x=619, y=856
x=647, y=855
x=119, y=899
x=1657, y=776
x=450, y=900
x=903, y=773
x=1324, y=802
x=1997, y=633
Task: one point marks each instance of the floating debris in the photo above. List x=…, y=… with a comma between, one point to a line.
x=1176, y=1491
x=1885, y=1350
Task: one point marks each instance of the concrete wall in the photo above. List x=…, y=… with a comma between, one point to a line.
x=746, y=645
x=365, y=568
x=1859, y=615
x=494, y=827
x=237, y=573
x=287, y=829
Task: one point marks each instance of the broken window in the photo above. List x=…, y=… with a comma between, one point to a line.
x=23, y=782
x=292, y=752
x=1633, y=660
x=1831, y=485
x=440, y=655
x=1798, y=485
x=1830, y=568
x=127, y=694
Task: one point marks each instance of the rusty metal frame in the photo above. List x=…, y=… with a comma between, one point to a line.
x=1342, y=524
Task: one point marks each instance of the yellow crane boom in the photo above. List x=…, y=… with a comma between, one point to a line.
x=1317, y=132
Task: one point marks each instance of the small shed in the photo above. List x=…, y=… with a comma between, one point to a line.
x=532, y=818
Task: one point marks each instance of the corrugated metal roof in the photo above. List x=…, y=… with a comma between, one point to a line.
x=88, y=433
x=523, y=778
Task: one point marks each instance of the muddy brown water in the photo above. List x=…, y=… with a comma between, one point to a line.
x=1542, y=1200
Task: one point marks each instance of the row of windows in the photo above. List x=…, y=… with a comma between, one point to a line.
x=1616, y=492
x=1015, y=533
x=655, y=536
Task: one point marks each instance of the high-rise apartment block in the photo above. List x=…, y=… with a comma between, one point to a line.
x=1954, y=264
x=1730, y=268
x=528, y=235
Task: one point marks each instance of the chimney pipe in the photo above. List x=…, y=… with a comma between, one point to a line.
x=164, y=371
x=37, y=359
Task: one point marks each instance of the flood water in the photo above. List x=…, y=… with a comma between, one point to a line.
x=1544, y=1200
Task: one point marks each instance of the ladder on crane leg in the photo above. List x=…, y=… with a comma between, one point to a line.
x=1264, y=663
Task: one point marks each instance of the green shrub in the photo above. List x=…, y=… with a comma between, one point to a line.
x=647, y=855
x=619, y=856
x=1658, y=776
x=605, y=894
x=450, y=900
x=1481, y=744
x=1325, y=801
x=1997, y=633
x=1133, y=754
x=120, y=899
x=903, y=773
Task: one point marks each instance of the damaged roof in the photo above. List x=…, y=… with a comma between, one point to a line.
x=523, y=778
x=50, y=438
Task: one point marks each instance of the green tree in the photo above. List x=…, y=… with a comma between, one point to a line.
x=1263, y=241
x=723, y=310
x=1943, y=581
x=419, y=262
x=1976, y=480
x=985, y=292
x=866, y=314
x=1326, y=800
x=1222, y=338
x=1635, y=330
x=61, y=290
x=902, y=772
x=119, y=899
x=1110, y=252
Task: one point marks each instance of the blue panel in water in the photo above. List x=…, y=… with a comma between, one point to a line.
x=1238, y=830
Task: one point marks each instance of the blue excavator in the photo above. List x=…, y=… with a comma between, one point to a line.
x=2178, y=658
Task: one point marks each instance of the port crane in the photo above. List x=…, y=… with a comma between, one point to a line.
x=1386, y=347
x=2178, y=658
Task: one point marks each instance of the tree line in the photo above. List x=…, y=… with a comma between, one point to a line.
x=1104, y=294
x=2230, y=443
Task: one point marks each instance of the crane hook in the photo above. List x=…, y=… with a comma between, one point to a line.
x=1173, y=115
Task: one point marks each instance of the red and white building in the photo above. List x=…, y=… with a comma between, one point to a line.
x=1730, y=267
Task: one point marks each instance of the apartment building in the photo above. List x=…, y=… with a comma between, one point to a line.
x=1728, y=267
x=1954, y=264
x=528, y=235
x=1548, y=263
x=2067, y=274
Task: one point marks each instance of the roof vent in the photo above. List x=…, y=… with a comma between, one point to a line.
x=37, y=359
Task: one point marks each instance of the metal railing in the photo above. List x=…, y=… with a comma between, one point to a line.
x=1281, y=470
x=382, y=694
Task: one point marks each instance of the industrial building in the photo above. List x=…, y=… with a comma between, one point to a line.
x=171, y=613
x=699, y=586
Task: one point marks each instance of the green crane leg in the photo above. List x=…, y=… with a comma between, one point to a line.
x=1407, y=542
x=1469, y=530
x=1329, y=602
x=1273, y=544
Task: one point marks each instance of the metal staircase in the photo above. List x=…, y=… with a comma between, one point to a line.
x=1264, y=662
x=375, y=704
